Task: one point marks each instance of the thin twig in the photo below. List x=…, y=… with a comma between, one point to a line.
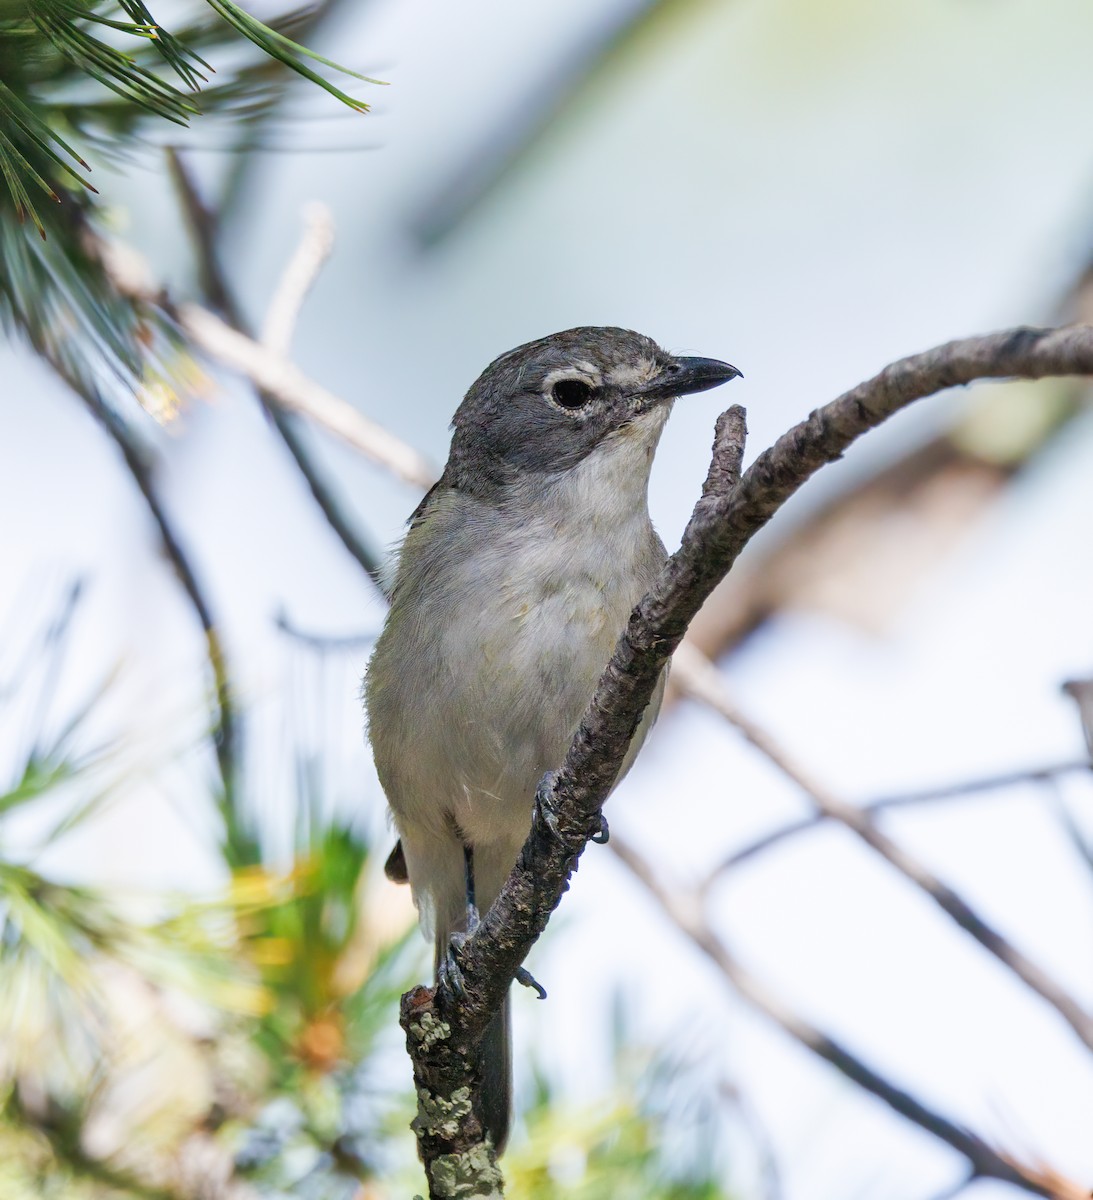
x=226, y=730
x=942, y=792
x=1077, y=837
x=201, y=223
x=322, y=643
x=761, y=844
x=1081, y=692
x=685, y=911
x=700, y=679
x=989, y=783
x=298, y=393
x=298, y=279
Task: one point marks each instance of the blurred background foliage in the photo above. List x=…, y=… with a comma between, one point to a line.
x=171, y=1046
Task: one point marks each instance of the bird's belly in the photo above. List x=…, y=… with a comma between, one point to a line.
x=529, y=677
x=478, y=686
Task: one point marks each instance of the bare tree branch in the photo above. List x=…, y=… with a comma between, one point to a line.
x=298, y=279
x=442, y=1029
x=136, y=459
x=202, y=226
x=942, y=792
x=289, y=387
x=265, y=363
x=685, y=911
x=700, y=679
x=973, y=787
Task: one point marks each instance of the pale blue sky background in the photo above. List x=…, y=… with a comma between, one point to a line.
x=807, y=190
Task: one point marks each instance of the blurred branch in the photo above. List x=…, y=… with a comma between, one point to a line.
x=685, y=911
x=135, y=456
x=1081, y=692
x=1076, y=835
x=289, y=387
x=298, y=279
x=969, y=787
x=701, y=680
x=322, y=643
x=521, y=123
x=201, y=223
x=443, y=1029
x=62, y=1128
x=280, y=380
x=203, y=229
x=972, y=787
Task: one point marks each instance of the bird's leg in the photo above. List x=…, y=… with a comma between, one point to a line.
x=448, y=970
x=468, y=884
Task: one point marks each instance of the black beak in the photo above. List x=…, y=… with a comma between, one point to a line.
x=685, y=376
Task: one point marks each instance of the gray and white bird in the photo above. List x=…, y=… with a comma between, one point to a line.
x=516, y=577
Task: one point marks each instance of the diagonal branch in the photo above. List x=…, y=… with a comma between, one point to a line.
x=701, y=679
x=201, y=223
x=685, y=912
x=226, y=734
x=298, y=279
x=282, y=381
x=443, y=1030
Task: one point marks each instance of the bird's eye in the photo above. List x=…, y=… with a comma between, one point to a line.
x=572, y=393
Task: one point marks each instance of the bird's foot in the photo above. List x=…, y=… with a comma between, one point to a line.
x=544, y=808
x=449, y=974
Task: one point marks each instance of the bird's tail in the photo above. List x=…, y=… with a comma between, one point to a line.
x=496, y=1062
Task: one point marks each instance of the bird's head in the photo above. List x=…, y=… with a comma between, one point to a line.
x=544, y=407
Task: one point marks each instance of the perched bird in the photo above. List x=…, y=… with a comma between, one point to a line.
x=515, y=580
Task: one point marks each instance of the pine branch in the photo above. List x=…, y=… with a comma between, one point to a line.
x=73, y=71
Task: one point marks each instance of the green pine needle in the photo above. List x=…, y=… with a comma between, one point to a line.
x=57, y=295
x=285, y=50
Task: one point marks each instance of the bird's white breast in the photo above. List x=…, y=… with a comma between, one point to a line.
x=496, y=642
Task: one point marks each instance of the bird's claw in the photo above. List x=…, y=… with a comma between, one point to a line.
x=524, y=976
